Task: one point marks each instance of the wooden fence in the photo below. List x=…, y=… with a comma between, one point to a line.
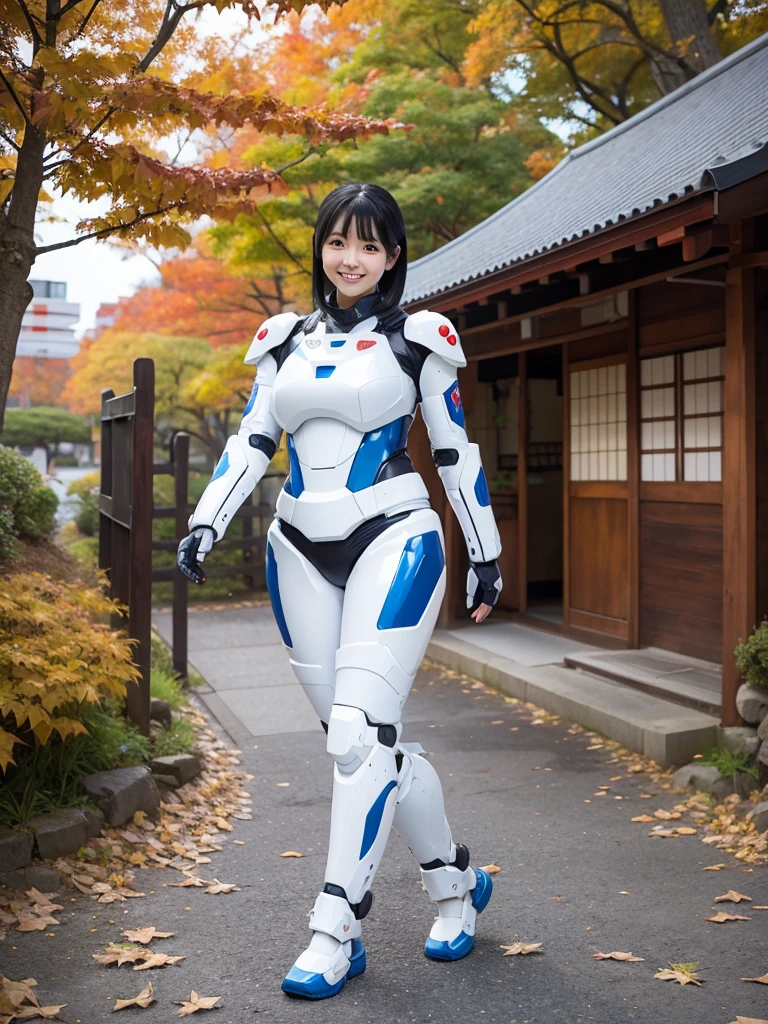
x=127, y=510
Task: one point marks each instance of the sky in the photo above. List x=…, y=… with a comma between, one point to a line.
x=97, y=272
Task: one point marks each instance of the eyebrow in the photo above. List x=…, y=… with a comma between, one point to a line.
x=368, y=241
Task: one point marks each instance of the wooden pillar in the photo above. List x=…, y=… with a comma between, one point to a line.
x=566, y=487
x=739, y=478
x=522, y=484
x=633, y=474
x=180, y=454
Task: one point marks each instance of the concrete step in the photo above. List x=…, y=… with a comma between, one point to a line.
x=664, y=731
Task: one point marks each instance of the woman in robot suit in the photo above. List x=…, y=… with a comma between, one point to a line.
x=355, y=558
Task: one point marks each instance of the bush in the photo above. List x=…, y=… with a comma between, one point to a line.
x=751, y=655
x=57, y=656
x=8, y=548
x=32, y=504
x=730, y=762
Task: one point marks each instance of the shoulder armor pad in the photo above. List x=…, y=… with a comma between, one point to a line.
x=435, y=332
x=272, y=332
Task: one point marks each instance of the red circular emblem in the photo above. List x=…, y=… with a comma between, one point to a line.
x=452, y=339
x=365, y=343
x=444, y=330
x=262, y=334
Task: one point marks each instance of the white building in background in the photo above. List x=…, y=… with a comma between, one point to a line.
x=47, y=330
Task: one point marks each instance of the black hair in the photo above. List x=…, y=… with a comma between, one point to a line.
x=372, y=207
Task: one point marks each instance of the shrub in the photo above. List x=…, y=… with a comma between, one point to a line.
x=32, y=504
x=86, y=488
x=751, y=655
x=57, y=656
x=730, y=762
x=8, y=548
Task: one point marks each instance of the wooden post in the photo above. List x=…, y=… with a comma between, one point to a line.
x=105, y=488
x=140, y=546
x=633, y=474
x=739, y=478
x=566, y=487
x=180, y=455
x=522, y=484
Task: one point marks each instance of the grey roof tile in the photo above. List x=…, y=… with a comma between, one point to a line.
x=649, y=160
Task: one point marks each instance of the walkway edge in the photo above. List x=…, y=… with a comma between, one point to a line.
x=667, y=733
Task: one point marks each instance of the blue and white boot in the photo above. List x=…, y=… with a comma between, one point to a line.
x=335, y=954
x=461, y=893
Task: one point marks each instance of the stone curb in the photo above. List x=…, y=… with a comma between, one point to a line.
x=665, y=732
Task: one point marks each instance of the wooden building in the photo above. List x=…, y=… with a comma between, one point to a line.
x=614, y=317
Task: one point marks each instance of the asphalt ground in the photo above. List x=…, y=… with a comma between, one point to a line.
x=576, y=875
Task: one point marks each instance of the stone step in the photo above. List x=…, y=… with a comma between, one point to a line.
x=666, y=732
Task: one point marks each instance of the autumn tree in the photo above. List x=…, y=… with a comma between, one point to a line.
x=598, y=62
x=39, y=381
x=81, y=112
x=463, y=156
x=197, y=388
x=44, y=426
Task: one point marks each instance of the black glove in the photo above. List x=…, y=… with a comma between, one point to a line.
x=192, y=551
x=483, y=584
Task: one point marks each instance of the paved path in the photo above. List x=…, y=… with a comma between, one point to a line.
x=516, y=795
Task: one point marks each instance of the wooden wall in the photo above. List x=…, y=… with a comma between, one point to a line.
x=681, y=577
x=598, y=559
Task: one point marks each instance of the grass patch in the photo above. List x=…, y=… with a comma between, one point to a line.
x=729, y=762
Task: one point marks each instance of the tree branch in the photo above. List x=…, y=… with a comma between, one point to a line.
x=293, y=163
x=36, y=37
x=10, y=141
x=282, y=245
x=87, y=18
x=15, y=98
x=103, y=231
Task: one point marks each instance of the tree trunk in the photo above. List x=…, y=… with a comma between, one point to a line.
x=689, y=32
x=17, y=252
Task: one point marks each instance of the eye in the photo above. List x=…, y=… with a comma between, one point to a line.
x=371, y=246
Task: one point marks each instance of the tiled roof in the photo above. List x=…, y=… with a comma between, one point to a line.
x=653, y=158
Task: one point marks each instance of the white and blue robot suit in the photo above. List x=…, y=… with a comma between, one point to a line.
x=356, y=574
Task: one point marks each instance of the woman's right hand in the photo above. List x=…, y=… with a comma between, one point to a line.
x=192, y=551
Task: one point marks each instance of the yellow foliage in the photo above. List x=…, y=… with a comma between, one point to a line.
x=56, y=653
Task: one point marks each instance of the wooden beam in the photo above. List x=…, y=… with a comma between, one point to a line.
x=698, y=241
x=522, y=483
x=671, y=237
x=739, y=478
x=633, y=472
x=748, y=259
x=566, y=488
x=568, y=257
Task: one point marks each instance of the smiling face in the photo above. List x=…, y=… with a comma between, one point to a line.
x=353, y=265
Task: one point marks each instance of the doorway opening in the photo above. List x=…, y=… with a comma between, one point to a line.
x=544, y=483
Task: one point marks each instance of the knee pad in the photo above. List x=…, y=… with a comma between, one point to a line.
x=351, y=737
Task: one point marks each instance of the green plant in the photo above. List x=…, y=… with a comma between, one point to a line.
x=32, y=504
x=166, y=686
x=181, y=738
x=751, y=655
x=730, y=762
x=57, y=655
x=8, y=547
x=49, y=777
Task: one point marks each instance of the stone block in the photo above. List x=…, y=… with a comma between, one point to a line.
x=752, y=703
x=38, y=875
x=183, y=767
x=760, y=816
x=762, y=729
x=160, y=711
x=15, y=849
x=123, y=791
x=59, y=833
x=95, y=822
x=701, y=777
x=739, y=737
x=743, y=783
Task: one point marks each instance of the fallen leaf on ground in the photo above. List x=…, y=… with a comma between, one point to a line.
x=189, y=880
x=522, y=947
x=145, y=935
x=763, y=980
x=643, y=817
x=758, y=907
x=685, y=830
x=291, y=853
x=685, y=974
x=158, y=960
x=217, y=887
x=749, y=1020
x=144, y=998
x=714, y=867
x=196, y=1002
x=492, y=869
x=618, y=956
x=721, y=917
x=732, y=897
x=119, y=955
x=663, y=815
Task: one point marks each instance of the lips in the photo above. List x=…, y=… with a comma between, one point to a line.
x=352, y=279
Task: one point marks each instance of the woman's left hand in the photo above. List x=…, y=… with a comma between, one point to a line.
x=482, y=612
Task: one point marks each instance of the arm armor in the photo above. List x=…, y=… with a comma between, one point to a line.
x=246, y=456
x=458, y=461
